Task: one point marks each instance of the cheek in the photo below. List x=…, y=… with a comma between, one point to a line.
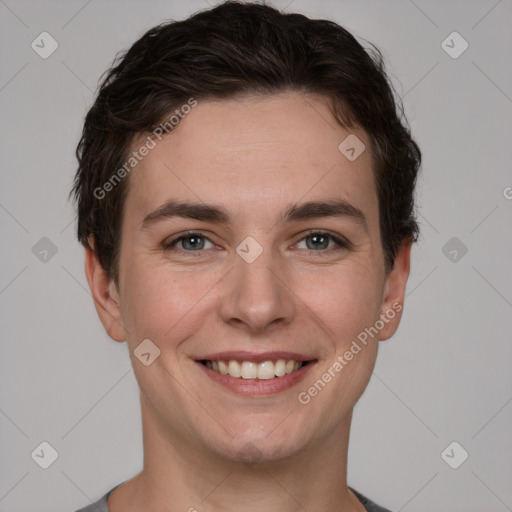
x=161, y=304
x=345, y=301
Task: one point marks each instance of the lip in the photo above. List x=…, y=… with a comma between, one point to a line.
x=257, y=387
x=255, y=357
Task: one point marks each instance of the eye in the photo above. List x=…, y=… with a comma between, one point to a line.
x=316, y=241
x=189, y=242
x=321, y=241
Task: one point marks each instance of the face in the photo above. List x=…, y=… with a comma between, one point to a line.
x=277, y=269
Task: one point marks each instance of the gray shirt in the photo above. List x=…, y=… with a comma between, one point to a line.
x=101, y=504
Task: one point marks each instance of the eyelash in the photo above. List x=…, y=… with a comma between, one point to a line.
x=341, y=244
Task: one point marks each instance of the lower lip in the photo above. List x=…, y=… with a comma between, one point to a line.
x=258, y=387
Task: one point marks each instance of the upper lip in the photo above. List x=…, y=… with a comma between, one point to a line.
x=256, y=357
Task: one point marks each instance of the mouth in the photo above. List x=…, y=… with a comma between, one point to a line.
x=265, y=370
x=256, y=374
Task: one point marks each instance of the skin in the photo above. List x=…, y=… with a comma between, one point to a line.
x=206, y=447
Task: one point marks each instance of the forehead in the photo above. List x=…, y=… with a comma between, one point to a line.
x=254, y=154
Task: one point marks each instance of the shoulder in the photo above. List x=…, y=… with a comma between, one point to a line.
x=102, y=506
x=368, y=503
x=98, y=506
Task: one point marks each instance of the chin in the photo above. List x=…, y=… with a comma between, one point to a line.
x=260, y=446
x=252, y=453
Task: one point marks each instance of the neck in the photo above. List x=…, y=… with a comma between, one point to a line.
x=180, y=476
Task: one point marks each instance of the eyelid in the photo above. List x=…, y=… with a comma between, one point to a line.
x=168, y=244
x=339, y=240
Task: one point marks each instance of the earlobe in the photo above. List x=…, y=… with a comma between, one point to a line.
x=105, y=296
x=394, y=291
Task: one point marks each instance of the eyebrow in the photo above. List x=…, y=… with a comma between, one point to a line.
x=218, y=214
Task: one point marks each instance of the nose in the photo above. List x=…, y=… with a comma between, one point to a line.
x=256, y=295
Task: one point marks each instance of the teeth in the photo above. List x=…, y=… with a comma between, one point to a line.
x=251, y=370
x=234, y=369
x=280, y=367
x=266, y=370
x=223, y=368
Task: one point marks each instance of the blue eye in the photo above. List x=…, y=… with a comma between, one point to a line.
x=320, y=242
x=190, y=242
x=316, y=241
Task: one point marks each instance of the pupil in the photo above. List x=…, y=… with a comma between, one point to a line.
x=319, y=238
x=193, y=239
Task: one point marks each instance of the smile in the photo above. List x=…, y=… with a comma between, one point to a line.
x=251, y=370
x=256, y=374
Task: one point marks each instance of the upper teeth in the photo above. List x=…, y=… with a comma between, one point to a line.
x=252, y=370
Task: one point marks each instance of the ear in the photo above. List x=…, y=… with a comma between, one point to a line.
x=105, y=295
x=394, y=291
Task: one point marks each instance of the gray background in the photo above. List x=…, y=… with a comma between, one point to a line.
x=445, y=376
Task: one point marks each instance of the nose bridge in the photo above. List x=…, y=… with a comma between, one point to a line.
x=257, y=295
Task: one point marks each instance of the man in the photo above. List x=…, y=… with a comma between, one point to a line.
x=245, y=199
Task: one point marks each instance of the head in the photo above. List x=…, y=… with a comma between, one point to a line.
x=243, y=110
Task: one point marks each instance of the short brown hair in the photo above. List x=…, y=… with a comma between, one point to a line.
x=232, y=49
